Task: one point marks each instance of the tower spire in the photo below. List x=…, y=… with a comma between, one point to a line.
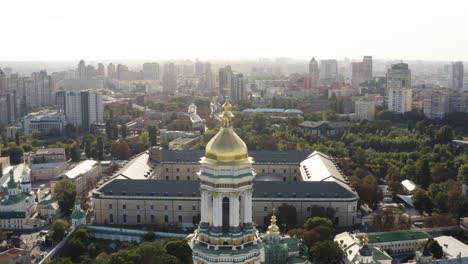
x=227, y=115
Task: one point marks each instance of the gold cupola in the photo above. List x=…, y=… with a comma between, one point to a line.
x=273, y=228
x=226, y=145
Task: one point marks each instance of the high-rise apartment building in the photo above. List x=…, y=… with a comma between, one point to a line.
x=361, y=71
x=3, y=82
x=81, y=108
x=232, y=81
x=151, y=71
x=100, y=72
x=111, y=70
x=8, y=107
x=365, y=110
x=399, y=88
x=81, y=70
x=328, y=70
x=169, y=77
x=457, y=75
x=436, y=104
x=314, y=73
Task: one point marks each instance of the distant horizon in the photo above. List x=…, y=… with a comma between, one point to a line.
x=50, y=30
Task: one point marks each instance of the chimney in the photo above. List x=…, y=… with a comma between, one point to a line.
x=156, y=154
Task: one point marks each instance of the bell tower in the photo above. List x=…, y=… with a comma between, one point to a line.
x=226, y=233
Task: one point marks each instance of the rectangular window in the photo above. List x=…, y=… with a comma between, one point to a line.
x=194, y=208
x=152, y=207
x=125, y=218
x=180, y=207
x=124, y=206
x=110, y=206
x=138, y=218
x=138, y=207
x=265, y=208
x=166, y=207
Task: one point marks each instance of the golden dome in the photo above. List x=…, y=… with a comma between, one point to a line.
x=273, y=228
x=226, y=145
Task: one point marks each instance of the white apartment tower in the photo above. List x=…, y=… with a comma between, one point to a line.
x=82, y=108
x=399, y=88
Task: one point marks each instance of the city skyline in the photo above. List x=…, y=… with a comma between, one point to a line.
x=104, y=30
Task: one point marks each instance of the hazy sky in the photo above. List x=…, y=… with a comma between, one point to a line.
x=219, y=29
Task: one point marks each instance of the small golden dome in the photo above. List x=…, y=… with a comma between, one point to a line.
x=226, y=145
x=273, y=228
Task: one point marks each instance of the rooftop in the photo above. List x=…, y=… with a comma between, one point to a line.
x=12, y=255
x=139, y=168
x=318, y=167
x=396, y=236
x=452, y=246
x=50, y=151
x=262, y=189
x=82, y=168
x=316, y=124
x=46, y=165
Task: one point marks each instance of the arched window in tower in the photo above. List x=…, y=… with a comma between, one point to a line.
x=226, y=213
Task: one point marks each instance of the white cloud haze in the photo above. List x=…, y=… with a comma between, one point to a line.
x=217, y=29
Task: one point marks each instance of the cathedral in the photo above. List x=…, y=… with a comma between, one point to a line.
x=19, y=202
x=227, y=233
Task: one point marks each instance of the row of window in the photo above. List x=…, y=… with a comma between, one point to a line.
x=166, y=207
x=138, y=218
x=263, y=170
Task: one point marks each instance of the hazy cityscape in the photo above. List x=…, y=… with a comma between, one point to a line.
x=253, y=132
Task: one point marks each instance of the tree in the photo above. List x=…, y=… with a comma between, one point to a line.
x=120, y=150
x=5, y=140
x=100, y=148
x=75, y=152
x=181, y=250
x=394, y=180
x=327, y=252
x=153, y=135
x=317, y=221
x=144, y=139
x=287, y=215
x=444, y=135
x=78, y=243
x=115, y=131
x=123, y=130
x=463, y=173
x=438, y=220
x=423, y=172
x=65, y=193
x=87, y=148
x=59, y=229
x=149, y=236
x=384, y=220
x=318, y=234
x=17, y=138
x=113, y=167
x=63, y=261
x=422, y=202
x=367, y=188
x=109, y=132
x=15, y=154
x=435, y=248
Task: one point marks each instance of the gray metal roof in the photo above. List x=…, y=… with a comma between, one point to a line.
x=258, y=156
x=262, y=189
